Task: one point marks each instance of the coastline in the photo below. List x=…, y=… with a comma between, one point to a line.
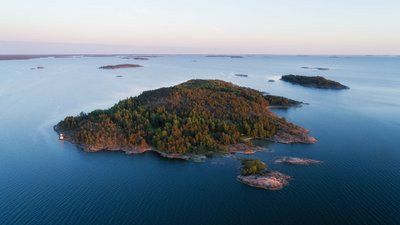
x=240, y=148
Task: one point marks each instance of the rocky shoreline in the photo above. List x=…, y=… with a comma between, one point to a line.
x=299, y=135
x=295, y=135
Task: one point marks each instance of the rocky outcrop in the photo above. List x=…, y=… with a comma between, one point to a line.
x=296, y=161
x=271, y=181
x=243, y=148
x=294, y=135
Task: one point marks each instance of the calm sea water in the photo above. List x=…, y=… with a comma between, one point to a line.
x=45, y=181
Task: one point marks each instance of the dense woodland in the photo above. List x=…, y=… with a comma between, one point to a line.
x=198, y=116
x=314, y=81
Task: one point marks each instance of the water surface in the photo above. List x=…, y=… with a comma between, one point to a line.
x=45, y=181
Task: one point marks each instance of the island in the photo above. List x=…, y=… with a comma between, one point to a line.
x=313, y=81
x=296, y=161
x=315, y=68
x=141, y=58
x=255, y=173
x=241, y=75
x=225, y=56
x=120, y=66
x=281, y=102
x=198, y=117
x=27, y=57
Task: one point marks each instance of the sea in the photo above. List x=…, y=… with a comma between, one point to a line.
x=47, y=181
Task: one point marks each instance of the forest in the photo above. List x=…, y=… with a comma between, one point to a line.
x=198, y=116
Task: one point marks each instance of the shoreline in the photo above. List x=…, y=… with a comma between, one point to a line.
x=239, y=148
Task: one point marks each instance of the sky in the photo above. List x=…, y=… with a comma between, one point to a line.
x=200, y=27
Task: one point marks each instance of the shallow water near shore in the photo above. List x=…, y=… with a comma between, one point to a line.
x=45, y=181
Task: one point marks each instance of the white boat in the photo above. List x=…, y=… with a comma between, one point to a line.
x=61, y=137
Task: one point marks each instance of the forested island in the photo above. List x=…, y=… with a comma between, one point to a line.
x=255, y=173
x=314, y=81
x=281, y=102
x=198, y=117
x=120, y=66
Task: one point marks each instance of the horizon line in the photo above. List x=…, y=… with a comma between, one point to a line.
x=205, y=54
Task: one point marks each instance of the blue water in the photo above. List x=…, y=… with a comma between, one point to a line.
x=45, y=181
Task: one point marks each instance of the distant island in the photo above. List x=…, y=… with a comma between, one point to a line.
x=314, y=81
x=120, y=66
x=314, y=68
x=141, y=58
x=225, y=56
x=198, y=117
x=27, y=57
x=241, y=75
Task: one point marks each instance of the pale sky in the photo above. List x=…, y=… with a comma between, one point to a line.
x=204, y=26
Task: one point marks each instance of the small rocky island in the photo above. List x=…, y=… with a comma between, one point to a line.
x=198, y=117
x=296, y=161
x=255, y=173
x=314, y=81
x=120, y=66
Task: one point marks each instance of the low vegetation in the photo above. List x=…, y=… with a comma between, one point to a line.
x=253, y=167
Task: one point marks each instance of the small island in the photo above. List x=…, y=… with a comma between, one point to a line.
x=314, y=68
x=120, y=66
x=255, y=173
x=296, y=161
x=241, y=75
x=198, y=117
x=281, y=102
x=225, y=56
x=314, y=82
